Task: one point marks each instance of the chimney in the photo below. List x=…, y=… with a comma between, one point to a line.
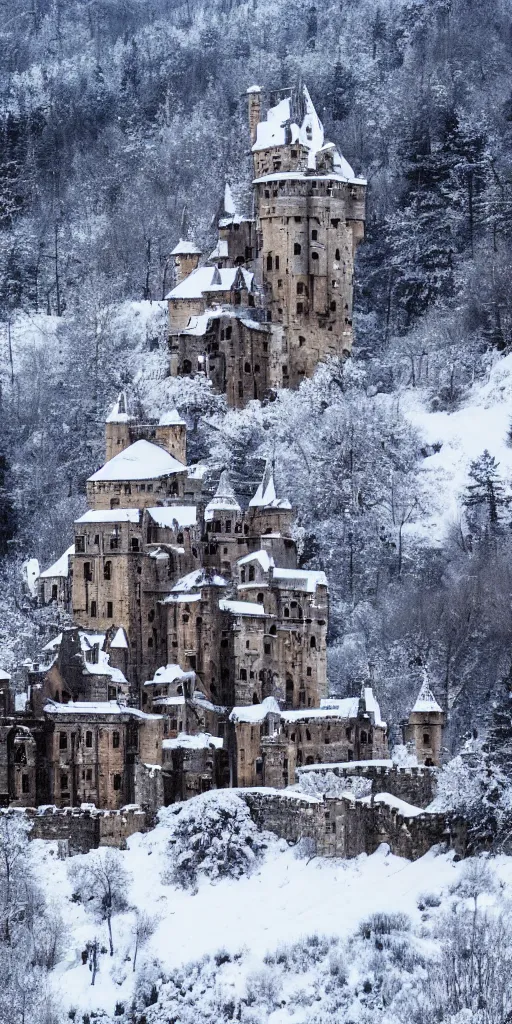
x=254, y=101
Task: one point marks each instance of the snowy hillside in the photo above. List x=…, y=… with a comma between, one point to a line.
x=299, y=940
x=458, y=438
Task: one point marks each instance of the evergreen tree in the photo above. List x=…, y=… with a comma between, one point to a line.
x=340, y=95
x=487, y=491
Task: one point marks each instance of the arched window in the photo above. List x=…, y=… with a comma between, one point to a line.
x=179, y=538
x=273, y=631
x=255, y=698
x=312, y=642
x=297, y=249
x=260, y=598
x=287, y=613
x=337, y=254
x=269, y=261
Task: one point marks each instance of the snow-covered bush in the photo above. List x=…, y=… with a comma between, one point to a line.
x=322, y=784
x=215, y=836
x=476, y=789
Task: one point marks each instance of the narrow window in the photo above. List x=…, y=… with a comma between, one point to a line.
x=110, y=610
x=94, y=610
x=107, y=571
x=63, y=782
x=117, y=782
x=135, y=544
x=296, y=249
x=88, y=739
x=115, y=739
x=25, y=784
x=277, y=262
x=300, y=288
x=269, y=262
x=337, y=254
x=312, y=642
x=300, y=307
x=314, y=235
x=79, y=544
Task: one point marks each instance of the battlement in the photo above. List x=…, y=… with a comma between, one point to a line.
x=416, y=785
x=83, y=828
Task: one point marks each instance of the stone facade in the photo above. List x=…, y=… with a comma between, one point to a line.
x=300, y=252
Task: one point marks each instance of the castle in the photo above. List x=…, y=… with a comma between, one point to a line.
x=197, y=658
x=275, y=296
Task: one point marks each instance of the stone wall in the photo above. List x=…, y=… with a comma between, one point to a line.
x=347, y=828
x=414, y=785
x=84, y=829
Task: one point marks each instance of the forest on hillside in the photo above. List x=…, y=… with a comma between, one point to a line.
x=120, y=122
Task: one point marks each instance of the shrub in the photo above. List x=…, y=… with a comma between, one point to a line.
x=214, y=835
x=382, y=923
x=428, y=899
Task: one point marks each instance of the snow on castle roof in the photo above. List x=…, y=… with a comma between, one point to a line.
x=90, y=707
x=224, y=499
x=185, y=248
x=60, y=567
x=211, y=279
x=199, y=741
x=110, y=515
x=119, y=412
x=141, y=461
x=174, y=515
x=221, y=250
x=266, y=561
x=307, y=579
x=243, y=608
x=195, y=579
x=169, y=674
x=171, y=419
x=119, y=642
x=425, y=701
x=265, y=496
x=254, y=713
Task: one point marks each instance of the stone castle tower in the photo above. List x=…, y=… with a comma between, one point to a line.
x=276, y=295
x=424, y=728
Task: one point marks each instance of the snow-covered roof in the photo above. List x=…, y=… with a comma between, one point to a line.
x=197, y=471
x=265, y=496
x=211, y=279
x=87, y=641
x=266, y=561
x=119, y=641
x=279, y=129
x=60, y=567
x=171, y=419
x=4, y=676
x=345, y=709
x=224, y=499
x=254, y=713
x=242, y=608
x=197, y=578
x=93, y=707
x=301, y=579
x=221, y=250
x=299, y=176
x=174, y=515
x=372, y=705
x=185, y=248
x=254, y=88
x=201, y=741
x=110, y=515
x=169, y=674
x=119, y=412
x=403, y=808
x=349, y=766
x=141, y=461
x=425, y=701
x=199, y=324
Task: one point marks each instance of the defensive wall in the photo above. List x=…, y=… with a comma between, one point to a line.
x=83, y=828
x=417, y=785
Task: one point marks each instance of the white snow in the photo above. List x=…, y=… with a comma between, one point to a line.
x=372, y=705
x=171, y=419
x=119, y=641
x=185, y=248
x=301, y=579
x=4, y=676
x=169, y=674
x=255, y=713
x=408, y=810
x=346, y=709
x=60, y=567
x=140, y=461
x=90, y=707
x=221, y=251
x=200, y=741
x=266, y=561
x=242, y=608
x=197, y=578
x=110, y=515
x=297, y=176
x=211, y=279
x=425, y=701
x=173, y=516
x=119, y=412
x=31, y=571
x=265, y=496
x=224, y=499
x=351, y=766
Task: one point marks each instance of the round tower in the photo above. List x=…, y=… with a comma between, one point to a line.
x=424, y=728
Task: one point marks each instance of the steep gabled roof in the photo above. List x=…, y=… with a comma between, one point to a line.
x=265, y=496
x=211, y=279
x=425, y=701
x=224, y=499
x=140, y=461
x=60, y=567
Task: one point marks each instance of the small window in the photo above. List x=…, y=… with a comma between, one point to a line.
x=269, y=261
x=25, y=784
x=114, y=543
x=94, y=610
x=110, y=610
x=252, y=572
x=364, y=737
x=332, y=306
x=337, y=254
x=88, y=774
x=79, y=544
x=88, y=739
x=135, y=544
x=302, y=341
x=88, y=575
x=308, y=735
x=260, y=598
x=63, y=782
x=243, y=673
x=107, y=571
x=229, y=331
x=115, y=739
x=314, y=235
x=335, y=221
x=297, y=249
x=300, y=307
x=55, y=592
x=314, y=256
x=312, y=642
x=308, y=670
x=277, y=263
x=300, y=288
x=426, y=739
x=247, y=367
x=117, y=782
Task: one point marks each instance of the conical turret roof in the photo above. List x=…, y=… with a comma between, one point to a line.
x=425, y=701
x=265, y=496
x=224, y=499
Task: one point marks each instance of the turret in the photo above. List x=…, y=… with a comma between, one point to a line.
x=254, y=103
x=186, y=259
x=171, y=434
x=117, y=427
x=424, y=729
x=268, y=513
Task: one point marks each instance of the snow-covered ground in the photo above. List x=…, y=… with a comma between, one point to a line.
x=286, y=900
x=482, y=422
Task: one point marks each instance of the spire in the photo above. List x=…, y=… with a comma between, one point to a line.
x=224, y=499
x=425, y=701
x=265, y=496
x=120, y=410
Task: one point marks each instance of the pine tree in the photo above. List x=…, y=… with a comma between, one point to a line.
x=487, y=491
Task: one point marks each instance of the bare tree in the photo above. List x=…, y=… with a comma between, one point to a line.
x=143, y=930
x=101, y=883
